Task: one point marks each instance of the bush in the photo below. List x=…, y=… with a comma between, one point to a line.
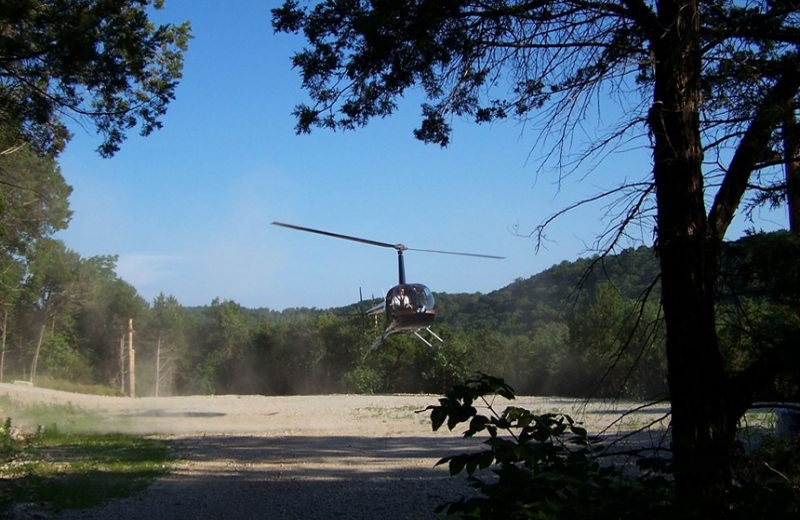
x=7, y=443
x=543, y=467
x=63, y=361
x=362, y=380
x=546, y=466
x=767, y=483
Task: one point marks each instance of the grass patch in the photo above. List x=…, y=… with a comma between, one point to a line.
x=78, y=388
x=64, y=463
x=55, y=470
x=67, y=418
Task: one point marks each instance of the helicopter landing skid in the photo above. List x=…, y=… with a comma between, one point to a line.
x=386, y=334
x=425, y=340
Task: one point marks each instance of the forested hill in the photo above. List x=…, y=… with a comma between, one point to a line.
x=524, y=305
x=749, y=268
x=578, y=328
x=521, y=305
x=527, y=304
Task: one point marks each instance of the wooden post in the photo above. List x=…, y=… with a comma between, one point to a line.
x=131, y=360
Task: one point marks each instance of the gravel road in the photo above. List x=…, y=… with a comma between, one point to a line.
x=296, y=457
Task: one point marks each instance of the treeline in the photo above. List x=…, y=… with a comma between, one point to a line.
x=70, y=321
x=589, y=327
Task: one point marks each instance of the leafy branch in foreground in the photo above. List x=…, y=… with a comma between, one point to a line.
x=97, y=62
x=544, y=465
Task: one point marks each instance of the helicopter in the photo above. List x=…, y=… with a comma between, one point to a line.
x=408, y=307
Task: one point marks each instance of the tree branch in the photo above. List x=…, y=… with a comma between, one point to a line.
x=768, y=116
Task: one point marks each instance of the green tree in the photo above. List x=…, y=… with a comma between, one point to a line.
x=491, y=60
x=289, y=358
x=344, y=342
x=551, y=344
x=227, y=334
x=451, y=362
x=618, y=344
x=62, y=359
x=402, y=360
x=759, y=295
x=168, y=322
x=48, y=291
x=33, y=206
x=34, y=200
x=94, y=60
x=103, y=305
x=11, y=271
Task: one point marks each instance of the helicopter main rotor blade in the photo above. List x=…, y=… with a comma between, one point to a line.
x=455, y=253
x=337, y=235
x=399, y=247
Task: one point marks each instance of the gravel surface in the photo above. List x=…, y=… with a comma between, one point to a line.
x=295, y=457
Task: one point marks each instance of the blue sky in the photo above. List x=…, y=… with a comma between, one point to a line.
x=188, y=209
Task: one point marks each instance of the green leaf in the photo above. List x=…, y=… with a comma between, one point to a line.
x=457, y=464
x=579, y=431
x=485, y=460
x=438, y=416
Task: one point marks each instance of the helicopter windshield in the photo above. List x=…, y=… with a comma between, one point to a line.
x=410, y=298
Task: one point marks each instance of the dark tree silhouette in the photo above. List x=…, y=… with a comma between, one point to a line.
x=672, y=65
x=101, y=61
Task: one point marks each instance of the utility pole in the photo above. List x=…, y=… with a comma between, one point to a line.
x=131, y=360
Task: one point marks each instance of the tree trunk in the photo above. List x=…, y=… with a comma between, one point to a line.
x=3, y=344
x=702, y=431
x=122, y=364
x=791, y=147
x=158, y=363
x=35, y=362
x=131, y=361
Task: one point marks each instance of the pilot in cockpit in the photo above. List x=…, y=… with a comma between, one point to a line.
x=400, y=300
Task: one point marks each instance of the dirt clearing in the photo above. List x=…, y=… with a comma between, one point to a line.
x=309, y=457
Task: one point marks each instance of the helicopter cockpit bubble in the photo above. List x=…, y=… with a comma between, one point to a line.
x=410, y=298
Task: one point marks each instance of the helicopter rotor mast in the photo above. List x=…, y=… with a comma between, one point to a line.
x=401, y=268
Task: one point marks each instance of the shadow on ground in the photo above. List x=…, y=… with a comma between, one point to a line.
x=351, y=477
